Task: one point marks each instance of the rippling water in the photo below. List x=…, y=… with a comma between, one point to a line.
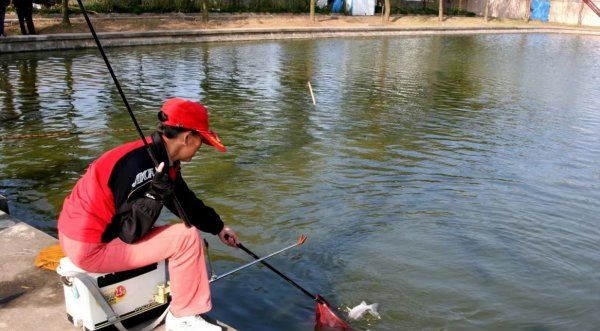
x=454, y=180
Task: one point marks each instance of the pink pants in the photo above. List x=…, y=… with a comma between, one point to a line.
x=180, y=245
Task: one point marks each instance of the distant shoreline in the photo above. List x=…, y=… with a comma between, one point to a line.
x=139, y=30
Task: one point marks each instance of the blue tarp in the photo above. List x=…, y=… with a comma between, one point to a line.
x=540, y=10
x=337, y=6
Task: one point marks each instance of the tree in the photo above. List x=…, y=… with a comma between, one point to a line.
x=312, y=10
x=65, y=13
x=386, y=11
x=441, y=10
x=579, y=18
x=204, y=11
x=528, y=13
x=487, y=7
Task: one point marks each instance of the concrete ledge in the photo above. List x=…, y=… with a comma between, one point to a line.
x=29, y=297
x=5, y=220
x=3, y=204
x=14, y=44
x=32, y=298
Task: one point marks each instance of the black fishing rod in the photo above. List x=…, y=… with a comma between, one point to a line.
x=287, y=279
x=135, y=122
x=301, y=241
x=325, y=314
x=214, y=277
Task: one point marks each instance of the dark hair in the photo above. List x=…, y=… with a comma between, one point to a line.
x=168, y=130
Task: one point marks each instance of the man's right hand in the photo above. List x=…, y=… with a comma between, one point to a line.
x=228, y=237
x=161, y=187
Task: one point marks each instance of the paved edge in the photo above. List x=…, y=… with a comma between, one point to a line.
x=14, y=44
x=29, y=295
x=3, y=205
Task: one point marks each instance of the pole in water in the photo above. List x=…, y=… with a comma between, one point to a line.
x=311, y=93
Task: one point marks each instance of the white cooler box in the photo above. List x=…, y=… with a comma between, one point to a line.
x=135, y=295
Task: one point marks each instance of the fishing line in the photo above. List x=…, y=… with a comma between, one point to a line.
x=60, y=133
x=180, y=210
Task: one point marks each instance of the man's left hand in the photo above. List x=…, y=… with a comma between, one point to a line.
x=228, y=237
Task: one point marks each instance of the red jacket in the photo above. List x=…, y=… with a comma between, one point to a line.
x=109, y=201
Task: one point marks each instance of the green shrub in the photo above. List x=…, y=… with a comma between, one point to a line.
x=100, y=6
x=414, y=11
x=460, y=12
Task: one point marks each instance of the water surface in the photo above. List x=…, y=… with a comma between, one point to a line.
x=454, y=179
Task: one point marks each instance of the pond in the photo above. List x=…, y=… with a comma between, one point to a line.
x=454, y=179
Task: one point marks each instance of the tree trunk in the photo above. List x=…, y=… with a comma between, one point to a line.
x=528, y=14
x=579, y=19
x=441, y=10
x=312, y=10
x=387, y=11
x=65, y=13
x=204, y=11
x=486, y=10
x=460, y=4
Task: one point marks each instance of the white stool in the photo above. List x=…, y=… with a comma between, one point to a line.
x=130, y=297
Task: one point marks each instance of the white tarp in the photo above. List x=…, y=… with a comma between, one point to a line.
x=361, y=7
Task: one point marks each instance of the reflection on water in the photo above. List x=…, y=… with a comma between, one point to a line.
x=454, y=180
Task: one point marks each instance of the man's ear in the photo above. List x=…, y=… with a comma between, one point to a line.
x=186, y=137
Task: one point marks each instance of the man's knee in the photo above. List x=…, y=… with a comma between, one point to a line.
x=189, y=236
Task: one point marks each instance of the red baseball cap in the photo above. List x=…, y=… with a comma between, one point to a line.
x=191, y=115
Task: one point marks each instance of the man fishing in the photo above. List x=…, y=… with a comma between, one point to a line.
x=107, y=222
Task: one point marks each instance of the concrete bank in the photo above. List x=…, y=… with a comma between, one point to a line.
x=31, y=298
x=70, y=41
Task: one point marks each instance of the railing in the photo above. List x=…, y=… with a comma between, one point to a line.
x=593, y=6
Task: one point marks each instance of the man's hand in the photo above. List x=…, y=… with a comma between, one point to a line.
x=228, y=237
x=161, y=187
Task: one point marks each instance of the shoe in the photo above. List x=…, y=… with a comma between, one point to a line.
x=189, y=323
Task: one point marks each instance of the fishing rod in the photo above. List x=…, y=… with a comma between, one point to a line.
x=180, y=210
x=259, y=259
x=325, y=315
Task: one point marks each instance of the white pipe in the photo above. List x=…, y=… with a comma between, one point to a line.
x=215, y=278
